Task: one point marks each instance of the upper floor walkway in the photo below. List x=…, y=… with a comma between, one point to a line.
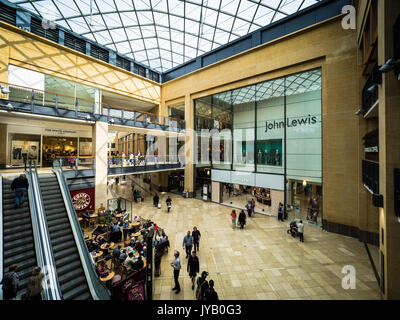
x=24, y=100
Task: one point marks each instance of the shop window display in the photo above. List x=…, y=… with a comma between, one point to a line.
x=24, y=147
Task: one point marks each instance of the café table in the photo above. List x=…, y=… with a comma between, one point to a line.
x=97, y=255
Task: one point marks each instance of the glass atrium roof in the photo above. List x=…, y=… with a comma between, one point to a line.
x=163, y=34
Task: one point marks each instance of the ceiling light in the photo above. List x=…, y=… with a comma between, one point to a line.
x=4, y=90
x=358, y=112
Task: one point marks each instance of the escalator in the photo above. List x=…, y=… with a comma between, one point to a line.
x=18, y=238
x=71, y=276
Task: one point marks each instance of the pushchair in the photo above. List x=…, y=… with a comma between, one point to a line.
x=293, y=229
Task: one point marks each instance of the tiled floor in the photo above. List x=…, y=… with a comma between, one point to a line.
x=260, y=262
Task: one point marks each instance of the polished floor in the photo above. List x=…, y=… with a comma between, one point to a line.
x=259, y=262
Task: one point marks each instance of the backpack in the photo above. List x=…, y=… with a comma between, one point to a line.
x=7, y=280
x=200, y=289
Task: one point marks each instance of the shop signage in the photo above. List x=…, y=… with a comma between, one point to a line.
x=371, y=149
x=59, y=131
x=308, y=120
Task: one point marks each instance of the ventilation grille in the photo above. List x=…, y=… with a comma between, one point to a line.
x=154, y=76
x=48, y=32
x=75, y=43
x=8, y=14
x=99, y=53
x=141, y=71
x=123, y=63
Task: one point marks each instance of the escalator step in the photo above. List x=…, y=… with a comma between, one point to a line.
x=75, y=264
x=65, y=260
x=13, y=222
x=63, y=246
x=16, y=236
x=59, y=234
x=25, y=264
x=84, y=296
x=74, y=287
x=69, y=276
x=62, y=239
x=63, y=253
x=19, y=258
x=52, y=212
x=26, y=247
x=17, y=230
x=60, y=227
x=56, y=216
x=56, y=205
x=9, y=245
x=55, y=222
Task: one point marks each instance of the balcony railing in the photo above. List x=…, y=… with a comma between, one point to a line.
x=370, y=93
x=36, y=101
x=124, y=165
x=370, y=176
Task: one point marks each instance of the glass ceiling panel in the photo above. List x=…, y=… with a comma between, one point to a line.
x=183, y=29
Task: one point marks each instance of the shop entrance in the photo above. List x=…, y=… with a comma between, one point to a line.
x=58, y=147
x=305, y=201
x=266, y=200
x=203, y=183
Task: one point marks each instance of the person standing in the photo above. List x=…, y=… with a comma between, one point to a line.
x=193, y=267
x=300, y=230
x=280, y=212
x=248, y=208
x=187, y=244
x=253, y=205
x=35, y=288
x=176, y=265
x=169, y=203
x=196, y=239
x=19, y=185
x=10, y=283
x=210, y=294
x=125, y=229
x=233, y=217
x=242, y=219
x=156, y=199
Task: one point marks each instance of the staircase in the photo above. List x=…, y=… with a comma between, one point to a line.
x=70, y=274
x=18, y=242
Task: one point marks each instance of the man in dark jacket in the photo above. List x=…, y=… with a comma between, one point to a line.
x=210, y=294
x=10, y=283
x=242, y=219
x=193, y=267
x=19, y=185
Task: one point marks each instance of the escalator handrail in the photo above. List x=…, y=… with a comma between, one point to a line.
x=97, y=289
x=53, y=291
x=1, y=235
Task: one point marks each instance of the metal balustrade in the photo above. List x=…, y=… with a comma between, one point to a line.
x=29, y=100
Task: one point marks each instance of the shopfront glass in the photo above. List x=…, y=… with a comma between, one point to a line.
x=23, y=147
x=260, y=131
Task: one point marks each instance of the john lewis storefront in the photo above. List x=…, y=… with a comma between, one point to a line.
x=267, y=133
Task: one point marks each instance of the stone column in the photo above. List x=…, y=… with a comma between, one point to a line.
x=100, y=139
x=189, y=145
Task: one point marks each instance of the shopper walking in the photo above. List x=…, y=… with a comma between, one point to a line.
x=10, y=283
x=300, y=230
x=169, y=203
x=187, y=244
x=193, y=267
x=35, y=284
x=242, y=219
x=202, y=285
x=125, y=229
x=176, y=265
x=19, y=185
x=233, y=217
x=196, y=239
x=210, y=294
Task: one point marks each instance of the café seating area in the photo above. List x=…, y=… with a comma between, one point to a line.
x=118, y=245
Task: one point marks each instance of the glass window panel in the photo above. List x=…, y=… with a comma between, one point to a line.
x=243, y=129
x=270, y=127
x=304, y=143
